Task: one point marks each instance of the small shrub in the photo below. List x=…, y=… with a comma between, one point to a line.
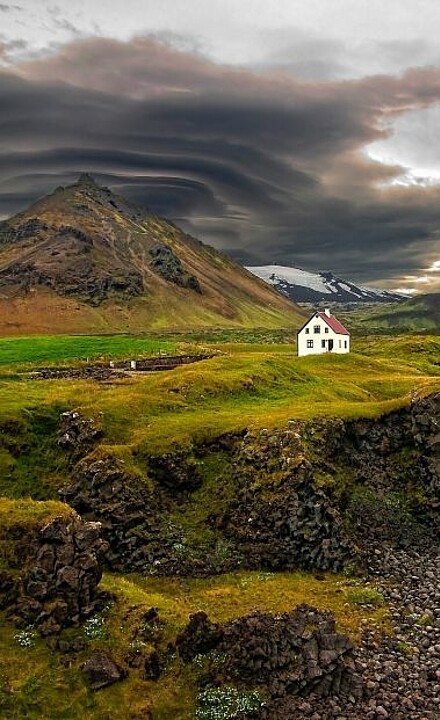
x=350, y=569
x=405, y=648
x=31, y=684
x=26, y=638
x=365, y=596
x=94, y=628
x=265, y=576
x=425, y=620
x=226, y=703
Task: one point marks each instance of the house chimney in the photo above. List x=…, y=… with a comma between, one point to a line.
x=327, y=312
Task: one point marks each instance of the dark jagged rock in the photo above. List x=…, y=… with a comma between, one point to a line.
x=78, y=434
x=134, y=514
x=104, y=490
x=152, y=666
x=31, y=228
x=60, y=258
x=175, y=472
x=279, y=518
x=310, y=496
x=100, y=671
x=169, y=266
x=287, y=656
x=61, y=573
x=199, y=637
x=391, y=471
x=295, y=653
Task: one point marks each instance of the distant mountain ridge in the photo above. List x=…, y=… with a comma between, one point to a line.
x=85, y=260
x=303, y=286
x=419, y=314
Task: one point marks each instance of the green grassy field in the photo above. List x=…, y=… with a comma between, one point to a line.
x=54, y=350
x=245, y=384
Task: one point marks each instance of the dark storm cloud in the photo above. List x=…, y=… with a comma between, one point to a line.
x=265, y=167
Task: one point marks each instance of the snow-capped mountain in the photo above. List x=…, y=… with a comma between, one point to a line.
x=303, y=286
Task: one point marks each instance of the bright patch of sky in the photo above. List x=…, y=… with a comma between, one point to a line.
x=415, y=146
x=246, y=32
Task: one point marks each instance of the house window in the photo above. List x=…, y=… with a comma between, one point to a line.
x=326, y=330
x=323, y=343
x=316, y=328
x=307, y=331
x=309, y=343
x=345, y=343
x=340, y=343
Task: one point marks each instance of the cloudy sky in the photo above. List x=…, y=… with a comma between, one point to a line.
x=301, y=132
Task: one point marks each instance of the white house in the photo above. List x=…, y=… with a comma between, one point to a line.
x=323, y=333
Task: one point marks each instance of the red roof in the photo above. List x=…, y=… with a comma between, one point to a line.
x=333, y=323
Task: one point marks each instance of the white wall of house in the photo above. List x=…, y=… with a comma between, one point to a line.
x=317, y=338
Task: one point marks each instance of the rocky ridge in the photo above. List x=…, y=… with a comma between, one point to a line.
x=301, y=497
x=289, y=655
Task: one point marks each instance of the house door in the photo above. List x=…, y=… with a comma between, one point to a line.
x=330, y=345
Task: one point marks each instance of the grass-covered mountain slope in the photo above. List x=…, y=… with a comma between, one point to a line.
x=84, y=260
x=420, y=314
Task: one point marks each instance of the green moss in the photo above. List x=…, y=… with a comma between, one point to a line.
x=366, y=596
x=31, y=462
x=214, y=495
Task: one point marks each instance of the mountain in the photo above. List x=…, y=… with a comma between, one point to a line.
x=85, y=260
x=420, y=314
x=302, y=286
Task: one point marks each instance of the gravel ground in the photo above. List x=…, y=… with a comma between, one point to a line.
x=401, y=671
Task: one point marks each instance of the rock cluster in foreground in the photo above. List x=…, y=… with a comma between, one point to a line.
x=281, y=656
x=58, y=585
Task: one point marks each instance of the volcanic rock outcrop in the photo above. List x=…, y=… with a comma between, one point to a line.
x=293, y=654
x=58, y=580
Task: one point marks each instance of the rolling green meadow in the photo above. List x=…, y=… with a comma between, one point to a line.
x=248, y=383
